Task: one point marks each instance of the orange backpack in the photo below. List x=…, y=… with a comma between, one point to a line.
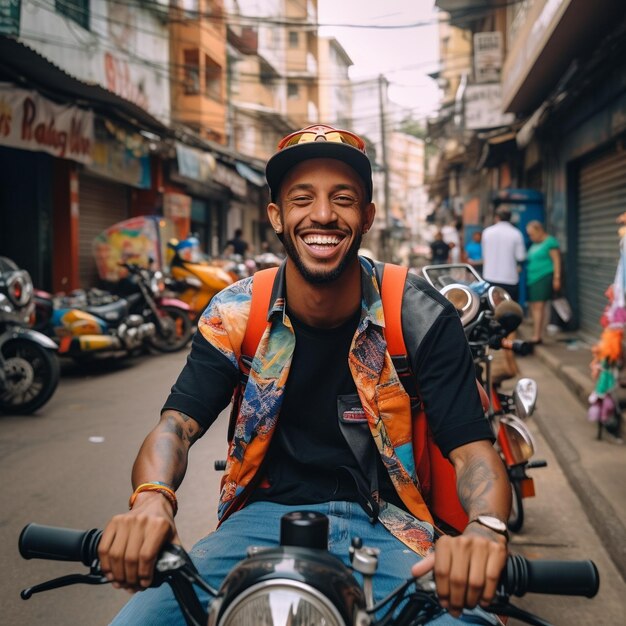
x=435, y=473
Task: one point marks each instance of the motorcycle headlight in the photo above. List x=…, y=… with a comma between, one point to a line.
x=525, y=396
x=281, y=603
x=289, y=586
x=20, y=288
x=520, y=441
x=464, y=300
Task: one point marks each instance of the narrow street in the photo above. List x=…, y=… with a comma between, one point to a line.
x=70, y=466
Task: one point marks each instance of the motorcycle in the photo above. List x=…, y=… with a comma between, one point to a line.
x=301, y=583
x=195, y=282
x=488, y=315
x=99, y=324
x=29, y=369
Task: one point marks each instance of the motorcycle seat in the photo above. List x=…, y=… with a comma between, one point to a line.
x=112, y=312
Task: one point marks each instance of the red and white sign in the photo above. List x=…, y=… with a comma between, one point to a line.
x=31, y=122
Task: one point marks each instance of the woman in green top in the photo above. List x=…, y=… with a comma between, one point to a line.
x=543, y=274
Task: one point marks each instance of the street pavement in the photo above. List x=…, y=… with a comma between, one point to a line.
x=70, y=465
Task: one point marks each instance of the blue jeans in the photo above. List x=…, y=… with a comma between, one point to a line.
x=258, y=524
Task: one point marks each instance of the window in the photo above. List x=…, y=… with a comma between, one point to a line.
x=191, y=82
x=293, y=39
x=293, y=90
x=212, y=79
x=76, y=10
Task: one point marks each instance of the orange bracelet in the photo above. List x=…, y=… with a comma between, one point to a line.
x=161, y=488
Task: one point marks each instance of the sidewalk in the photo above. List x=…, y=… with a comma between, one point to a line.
x=596, y=469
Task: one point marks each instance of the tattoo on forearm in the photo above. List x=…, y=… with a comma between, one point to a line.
x=181, y=425
x=475, y=484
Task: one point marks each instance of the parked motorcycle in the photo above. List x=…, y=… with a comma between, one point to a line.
x=99, y=324
x=29, y=370
x=300, y=583
x=489, y=315
x=194, y=281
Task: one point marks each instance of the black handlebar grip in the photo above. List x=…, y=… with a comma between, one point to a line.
x=59, y=544
x=567, y=578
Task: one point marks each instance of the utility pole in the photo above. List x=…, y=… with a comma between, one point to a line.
x=382, y=99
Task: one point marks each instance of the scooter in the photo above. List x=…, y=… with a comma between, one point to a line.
x=300, y=583
x=488, y=315
x=193, y=281
x=29, y=369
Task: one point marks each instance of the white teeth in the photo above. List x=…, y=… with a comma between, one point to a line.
x=321, y=240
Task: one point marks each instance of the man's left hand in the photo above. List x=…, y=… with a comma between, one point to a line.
x=467, y=568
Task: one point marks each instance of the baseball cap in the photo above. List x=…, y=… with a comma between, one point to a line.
x=317, y=142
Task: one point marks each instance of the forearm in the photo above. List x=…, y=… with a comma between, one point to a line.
x=482, y=482
x=164, y=453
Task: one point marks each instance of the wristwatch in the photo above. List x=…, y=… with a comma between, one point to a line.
x=492, y=523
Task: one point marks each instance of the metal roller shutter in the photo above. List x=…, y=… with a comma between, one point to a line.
x=601, y=193
x=102, y=204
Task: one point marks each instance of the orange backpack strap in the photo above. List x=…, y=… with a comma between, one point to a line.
x=436, y=474
x=392, y=283
x=262, y=284
x=391, y=291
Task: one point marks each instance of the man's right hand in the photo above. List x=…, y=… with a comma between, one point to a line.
x=131, y=541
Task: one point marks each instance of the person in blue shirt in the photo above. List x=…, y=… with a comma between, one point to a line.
x=474, y=251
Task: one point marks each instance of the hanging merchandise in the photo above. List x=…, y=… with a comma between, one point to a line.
x=608, y=355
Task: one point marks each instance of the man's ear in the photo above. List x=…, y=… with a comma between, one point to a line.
x=275, y=218
x=369, y=214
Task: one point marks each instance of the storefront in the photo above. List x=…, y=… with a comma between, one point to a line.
x=41, y=142
x=600, y=190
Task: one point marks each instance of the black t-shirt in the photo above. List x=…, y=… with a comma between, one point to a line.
x=308, y=447
x=440, y=251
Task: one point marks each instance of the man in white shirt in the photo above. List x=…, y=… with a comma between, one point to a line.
x=503, y=251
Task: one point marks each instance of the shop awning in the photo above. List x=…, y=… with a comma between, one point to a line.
x=18, y=62
x=252, y=176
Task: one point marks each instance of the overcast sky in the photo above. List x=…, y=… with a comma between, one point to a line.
x=404, y=55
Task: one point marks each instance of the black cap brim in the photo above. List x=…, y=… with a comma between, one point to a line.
x=285, y=159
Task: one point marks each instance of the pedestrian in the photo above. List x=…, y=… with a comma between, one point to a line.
x=503, y=251
x=322, y=349
x=439, y=250
x=543, y=275
x=451, y=235
x=474, y=251
x=238, y=245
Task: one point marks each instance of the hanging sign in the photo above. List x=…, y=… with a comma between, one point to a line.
x=31, y=122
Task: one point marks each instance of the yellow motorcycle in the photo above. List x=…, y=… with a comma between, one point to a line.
x=194, y=280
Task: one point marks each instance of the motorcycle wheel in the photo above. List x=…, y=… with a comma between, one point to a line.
x=32, y=375
x=177, y=330
x=516, y=519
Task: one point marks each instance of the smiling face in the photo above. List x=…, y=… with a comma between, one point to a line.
x=322, y=215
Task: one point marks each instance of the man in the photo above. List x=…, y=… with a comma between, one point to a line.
x=238, y=244
x=503, y=250
x=323, y=350
x=439, y=250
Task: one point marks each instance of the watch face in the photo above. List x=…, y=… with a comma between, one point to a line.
x=492, y=522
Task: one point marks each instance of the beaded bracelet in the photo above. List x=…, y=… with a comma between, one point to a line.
x=159, y=487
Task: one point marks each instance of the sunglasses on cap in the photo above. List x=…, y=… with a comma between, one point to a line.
x=321, y=132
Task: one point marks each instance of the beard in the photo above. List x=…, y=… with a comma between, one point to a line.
x=321, y=277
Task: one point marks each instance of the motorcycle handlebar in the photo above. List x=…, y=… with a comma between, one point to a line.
x=59, y=544
x=520, y=576
x=570, y=578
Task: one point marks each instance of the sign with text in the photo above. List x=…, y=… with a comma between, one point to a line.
x=31, y=122
x=483, y=107
x=487, y=57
